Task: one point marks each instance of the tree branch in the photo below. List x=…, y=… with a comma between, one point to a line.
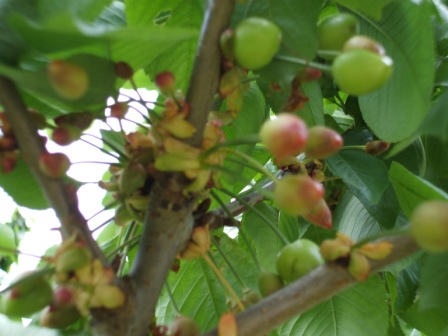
x=55, y=190
x=169, y=220
x=309, y=291
x=206, y=70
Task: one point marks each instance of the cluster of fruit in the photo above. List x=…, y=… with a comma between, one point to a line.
x=360, y=64
x=299, y=194
x=82, y=283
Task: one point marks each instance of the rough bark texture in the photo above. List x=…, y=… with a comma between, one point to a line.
x=31, y=147
x=309, y=291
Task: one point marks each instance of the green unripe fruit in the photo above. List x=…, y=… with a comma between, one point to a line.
x=269, y=283
x=256, y=42
x=59, y=318
x=359, y=72
x=72, y=259
x=429, y=225
x=28, y=297
x=334, y=31
x=298, y=259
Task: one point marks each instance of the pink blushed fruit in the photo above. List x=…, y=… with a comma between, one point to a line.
x=285, y=135
x=322, y=142
x=166, y=82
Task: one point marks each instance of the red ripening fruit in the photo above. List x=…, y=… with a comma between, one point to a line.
x=69, y=80
x=82, y=120
x=63, y=297
x=65, y=134
x=322, y=142
x=429, y=225
x=320, y=215
x=285, y=135
x=119, y=110
x=54, y=164
x=377, y=147
x=166, y=82
x=297, y=194
x=123, y=70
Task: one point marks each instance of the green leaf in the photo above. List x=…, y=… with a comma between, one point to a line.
x=179, y=59
x=83, y=9
x=428, y=321
x=101, y=83
x=405, y=99
x=412, y=190
x=436, y=122
x=313, y=111
x=248, y=121
x=434, y=277
x=21, y=185
x=137, y=45
x=353, y=219
x=345, y=313
x=7, y=240
x=372, y=8
x=364, y=174
x=11, y=44
x=407, y=285
x=196, y=292
x=265, y=242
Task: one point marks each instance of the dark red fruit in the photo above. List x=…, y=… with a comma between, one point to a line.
x=377, y=147
x=54, y=164
x=65, y=134
x=166, y=82
x=119, y=110
x=123, y=70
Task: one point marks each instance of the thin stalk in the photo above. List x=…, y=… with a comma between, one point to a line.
x=231, y=267
x=236, y=224
x=131, y=235
x=258, y=213
x=253, y=162
x=107, y=207
x=124, y=244
x=15, y=251
x=137, y=123
x=101, y=149
x=223, y=281
x=250, y=79
x=304, y=62
x=247, y=140
x=111, y=145
x=171, y=296
x=147, y=119
x=94, y=162
x=102, y=224
x=360, y=147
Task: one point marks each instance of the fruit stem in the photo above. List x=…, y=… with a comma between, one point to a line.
x=259, y=213
x=107, y=207
x=236, y=224
x=223, y=281
x=15, y=251
x=384, y=234
x=124, y=244
x=223, y=255
x=360, y=147
x=304, y=62
x=170, y=295
x=102, y=224
x=247, y=140
x=250, y=79
x=100, y=148
x=328, y=53
x=255, y=164
x=131, y=231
